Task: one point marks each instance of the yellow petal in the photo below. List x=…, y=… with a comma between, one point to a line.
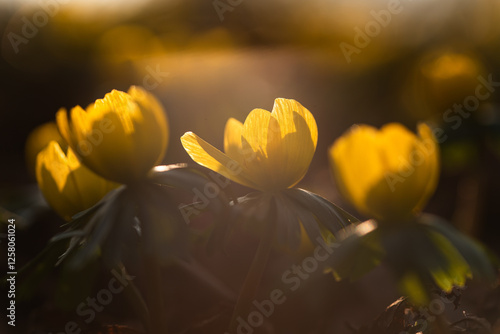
x=64, y=127
x=297, y=142
x=355, y=163
x=208, y=156
x=107, y=150
x=38, y=139
x=61, y=204
x=430, y=148
x=121, y=104
x=89, y=186
x=274, y=150
x=232, y=139
x=155, y=123
x=68, y=186
x=283, y=109
x=255, y=132
x=53, y=160
x=395, y=143
x=55, y=181
x=120, y=137
x=414, y=166
x=255, y=146
x=399, y=188
x=387, y=174
x=280, y=143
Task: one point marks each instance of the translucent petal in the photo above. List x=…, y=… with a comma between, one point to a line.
x=255, y=131
x=284, y=111
x=121, y=137
x=273, y=149
x=232, y=139
x=53, y=160
x=297, y=142
x=155, y=124
x=256, y=158
x=208, y=156
x=64, y=127
x=120, y=103
x=68, y=186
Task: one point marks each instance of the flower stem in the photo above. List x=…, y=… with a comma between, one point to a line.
x=154, y=296
x=153, y=289
x=252, y=281
x=440, y=325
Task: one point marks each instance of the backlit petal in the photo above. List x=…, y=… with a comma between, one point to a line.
x=274, y=150
x=121, y=104
x=68, y=186
x=254, y=142
x=297, y=141
x=155, y=120
x=53, y=160
x=232, y=139
x=64, y=126
x=284, y=111
x=208, y=156
x=255, y=131
x=121, y=137
x=63, y=205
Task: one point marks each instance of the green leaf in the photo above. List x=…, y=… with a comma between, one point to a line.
x=121, y=238
x=68, y=235
x=457, y=270
x=81, y=226
x=287, y=225
x=327, y=213
x=99, y=228
x=35, y=271
x=409, y=247
x=254, y=208
x=164, y=232
x=473, y=253
x=358, y=252
x=194, y=180
x=74, y=286
x=412, y=285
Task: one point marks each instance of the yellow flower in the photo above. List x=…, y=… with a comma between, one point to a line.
x=68, y=186
x=120, y=137
x=389, y=173
x=270, y=151
x=441, y=80
x=38, y=139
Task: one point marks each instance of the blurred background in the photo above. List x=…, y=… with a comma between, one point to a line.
x=347, y=61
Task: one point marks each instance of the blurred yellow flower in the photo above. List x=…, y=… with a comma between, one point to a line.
x=388, y=174
x=38, y=139
x=120, y=137
x=270, y=151
x=129, y=42
x=68, y=186
x=440, y=80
